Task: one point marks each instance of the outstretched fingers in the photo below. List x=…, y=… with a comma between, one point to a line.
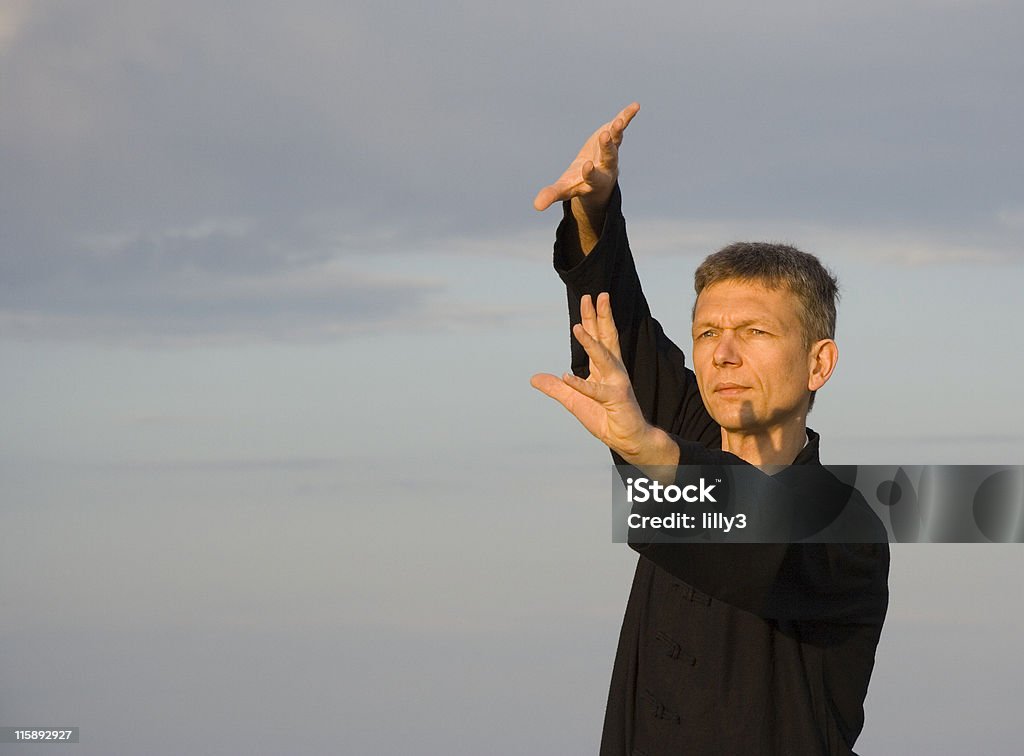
x=588, y=315
x=588, y=318
x=585, y=171
x=581, y=397
x=596, y=390
x=599, y=153
x=551, y=385
x=621, y=121
x=606, y=331
x=565, y=188
x=560, y=390
x=545, y=198
x=601, y=357
x=609, y=146
x=627, y=113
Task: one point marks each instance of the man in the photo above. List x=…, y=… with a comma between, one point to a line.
x=725, y=648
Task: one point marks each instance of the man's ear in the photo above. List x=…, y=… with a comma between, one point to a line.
x=822, y=360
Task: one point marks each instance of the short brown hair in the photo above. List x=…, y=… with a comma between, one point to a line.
x=775, y=266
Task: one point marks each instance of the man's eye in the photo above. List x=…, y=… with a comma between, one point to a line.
x=757, y=332
x=706, y=335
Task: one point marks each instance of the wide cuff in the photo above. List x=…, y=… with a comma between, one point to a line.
x=574, y=268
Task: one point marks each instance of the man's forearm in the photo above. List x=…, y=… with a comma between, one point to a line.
x=589, y=222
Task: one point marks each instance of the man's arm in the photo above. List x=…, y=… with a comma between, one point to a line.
x=837, y=582
x=592, y=255
x=588, y=182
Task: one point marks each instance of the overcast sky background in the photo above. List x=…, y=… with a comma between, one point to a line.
x=272, y=477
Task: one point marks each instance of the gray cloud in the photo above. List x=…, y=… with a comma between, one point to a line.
x=178, y=168
x=205, y=285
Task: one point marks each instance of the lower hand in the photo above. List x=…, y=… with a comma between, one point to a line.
x=605, y=403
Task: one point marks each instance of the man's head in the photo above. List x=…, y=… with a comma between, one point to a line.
x=763, y=329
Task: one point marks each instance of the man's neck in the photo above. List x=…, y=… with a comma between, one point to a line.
x=768, y=449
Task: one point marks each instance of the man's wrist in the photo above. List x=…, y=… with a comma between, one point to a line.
x=655, y=453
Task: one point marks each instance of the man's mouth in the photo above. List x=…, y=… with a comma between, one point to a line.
x=729, y=389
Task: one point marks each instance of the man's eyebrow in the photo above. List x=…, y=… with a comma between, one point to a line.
x=759, y=321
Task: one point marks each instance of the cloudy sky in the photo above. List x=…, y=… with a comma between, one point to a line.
x=272, y=288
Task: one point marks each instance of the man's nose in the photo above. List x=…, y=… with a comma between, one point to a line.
x=727, y=350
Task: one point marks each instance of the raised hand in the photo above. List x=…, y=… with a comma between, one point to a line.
x=604, y=403
x=592, y=175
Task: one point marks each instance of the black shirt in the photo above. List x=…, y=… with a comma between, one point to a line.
x=725, y=648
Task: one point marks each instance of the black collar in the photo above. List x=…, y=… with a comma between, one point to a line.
x=809, y=454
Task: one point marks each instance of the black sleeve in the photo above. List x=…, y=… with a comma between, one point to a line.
x=665, y=388
x=840, y=582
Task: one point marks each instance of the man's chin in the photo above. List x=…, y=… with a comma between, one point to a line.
x=736, y=419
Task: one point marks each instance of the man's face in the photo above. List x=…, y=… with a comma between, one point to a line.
x=750, y=356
